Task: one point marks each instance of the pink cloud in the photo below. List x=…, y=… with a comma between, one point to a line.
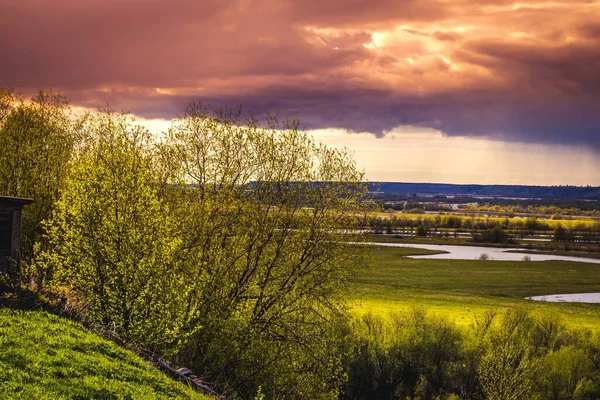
x=519, y=71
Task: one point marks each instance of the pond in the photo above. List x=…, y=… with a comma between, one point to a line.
x=474, y=252
x=569, y=298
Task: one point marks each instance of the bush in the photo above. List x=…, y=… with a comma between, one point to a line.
x=110, y=238
x=513, y=355
x=565, y=372
x=409, y=354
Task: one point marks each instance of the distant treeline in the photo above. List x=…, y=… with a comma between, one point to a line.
x=495, y=205
x=484, y=230
x=520, y=191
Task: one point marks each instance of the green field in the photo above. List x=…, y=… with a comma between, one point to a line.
x=43, y=356
x=463, y=289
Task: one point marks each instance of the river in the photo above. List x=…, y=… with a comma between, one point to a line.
x=474, y=252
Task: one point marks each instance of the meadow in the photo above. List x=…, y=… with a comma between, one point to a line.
x=462, y=290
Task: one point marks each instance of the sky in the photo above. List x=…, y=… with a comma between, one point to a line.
x=486, y=91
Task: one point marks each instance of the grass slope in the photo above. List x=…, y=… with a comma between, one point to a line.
x=43, y=356
x=462, y=289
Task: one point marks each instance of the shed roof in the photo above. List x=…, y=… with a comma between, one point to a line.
x=14, y=201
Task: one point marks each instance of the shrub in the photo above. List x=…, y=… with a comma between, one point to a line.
x=409, y=354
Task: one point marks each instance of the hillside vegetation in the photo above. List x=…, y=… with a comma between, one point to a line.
x=194, y=242
x=43, y=356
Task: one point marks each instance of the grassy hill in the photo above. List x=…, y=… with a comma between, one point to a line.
x=43, y=356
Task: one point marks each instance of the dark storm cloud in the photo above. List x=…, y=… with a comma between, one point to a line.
x=522, y=71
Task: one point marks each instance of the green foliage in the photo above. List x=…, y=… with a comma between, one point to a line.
x=225, y=244
x=451, y=221
x=447, y=228
x=567, y=374
x=411, y=354
x=421, y=230
x=493, y=235
x=37, y=140
x=563, y=235
x=586, y=389
x=508, y=364
x=264, y=216
x=43, y=356
x=512, y=355
x=109, y=237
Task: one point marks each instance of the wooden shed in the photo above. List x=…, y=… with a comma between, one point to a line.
x=10, y=231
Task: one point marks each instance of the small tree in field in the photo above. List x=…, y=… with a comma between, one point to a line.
x=421, y=230
x=560, y=234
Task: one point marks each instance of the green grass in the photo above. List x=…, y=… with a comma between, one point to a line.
x=43, y=356
x=462, y=289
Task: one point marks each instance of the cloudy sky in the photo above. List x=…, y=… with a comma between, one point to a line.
x=486, y=91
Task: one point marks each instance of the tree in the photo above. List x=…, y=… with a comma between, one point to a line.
x=492, y=235
x=560, y=234
x=497, y=235
x=267, y=220
x=37, y=140
x=508, y=364
x=400, y=355
x=561, y=373
x=109, y=236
